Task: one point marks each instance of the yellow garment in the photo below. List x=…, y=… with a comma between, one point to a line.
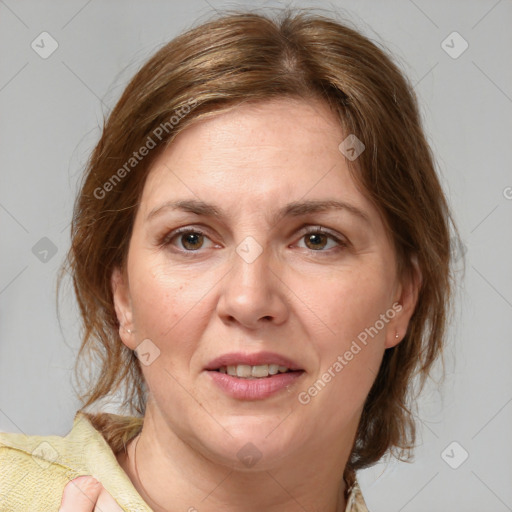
x=35, y=469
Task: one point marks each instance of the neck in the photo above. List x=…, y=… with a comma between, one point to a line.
x=310, y=480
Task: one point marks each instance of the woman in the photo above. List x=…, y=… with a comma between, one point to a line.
x=260, y=252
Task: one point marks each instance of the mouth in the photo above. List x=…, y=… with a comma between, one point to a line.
x=261, y=371
x=256, y=365
x=253, y=376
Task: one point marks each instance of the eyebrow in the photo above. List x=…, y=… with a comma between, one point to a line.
x=294, y=209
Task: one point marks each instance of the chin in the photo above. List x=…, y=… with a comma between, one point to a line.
x=255, y=444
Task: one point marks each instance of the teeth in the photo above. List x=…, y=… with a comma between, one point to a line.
x=273, y=369
x=260, y=370
x=245, y=371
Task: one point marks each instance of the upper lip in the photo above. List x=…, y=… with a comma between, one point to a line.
x=255, y=359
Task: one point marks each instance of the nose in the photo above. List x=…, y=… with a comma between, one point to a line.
x=252, y=293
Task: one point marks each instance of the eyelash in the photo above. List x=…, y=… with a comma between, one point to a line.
x=167, y=239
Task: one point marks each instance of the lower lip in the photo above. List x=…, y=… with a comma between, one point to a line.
x=253, y=389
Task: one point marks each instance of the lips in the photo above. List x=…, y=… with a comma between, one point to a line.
x=253, y=376
x=255, y=359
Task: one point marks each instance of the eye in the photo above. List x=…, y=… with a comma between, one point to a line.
x=190, y=240
x=318, y=239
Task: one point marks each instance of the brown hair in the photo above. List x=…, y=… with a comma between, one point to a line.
x=240, y=57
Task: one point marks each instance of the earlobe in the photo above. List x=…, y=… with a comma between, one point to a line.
x=122, y=305
x=394, y=333
x=409, y=293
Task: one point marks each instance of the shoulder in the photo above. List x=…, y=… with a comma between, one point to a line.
x=35, y=469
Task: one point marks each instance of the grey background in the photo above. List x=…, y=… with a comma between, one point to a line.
x=50, y=112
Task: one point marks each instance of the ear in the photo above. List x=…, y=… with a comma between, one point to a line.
x=123, y=307
x=407, y=298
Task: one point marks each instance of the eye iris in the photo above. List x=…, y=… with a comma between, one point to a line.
x=316, y=240
x=191, y=239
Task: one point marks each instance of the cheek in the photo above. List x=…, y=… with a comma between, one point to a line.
x=355, y=315
x=166, y=310
x=163, y=303
x=350, y=302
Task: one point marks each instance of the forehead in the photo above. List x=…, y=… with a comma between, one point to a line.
x=256, y=155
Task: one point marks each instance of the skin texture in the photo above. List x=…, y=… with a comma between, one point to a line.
x=307, y=301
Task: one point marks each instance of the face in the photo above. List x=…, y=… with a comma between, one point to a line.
x=258, y=267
